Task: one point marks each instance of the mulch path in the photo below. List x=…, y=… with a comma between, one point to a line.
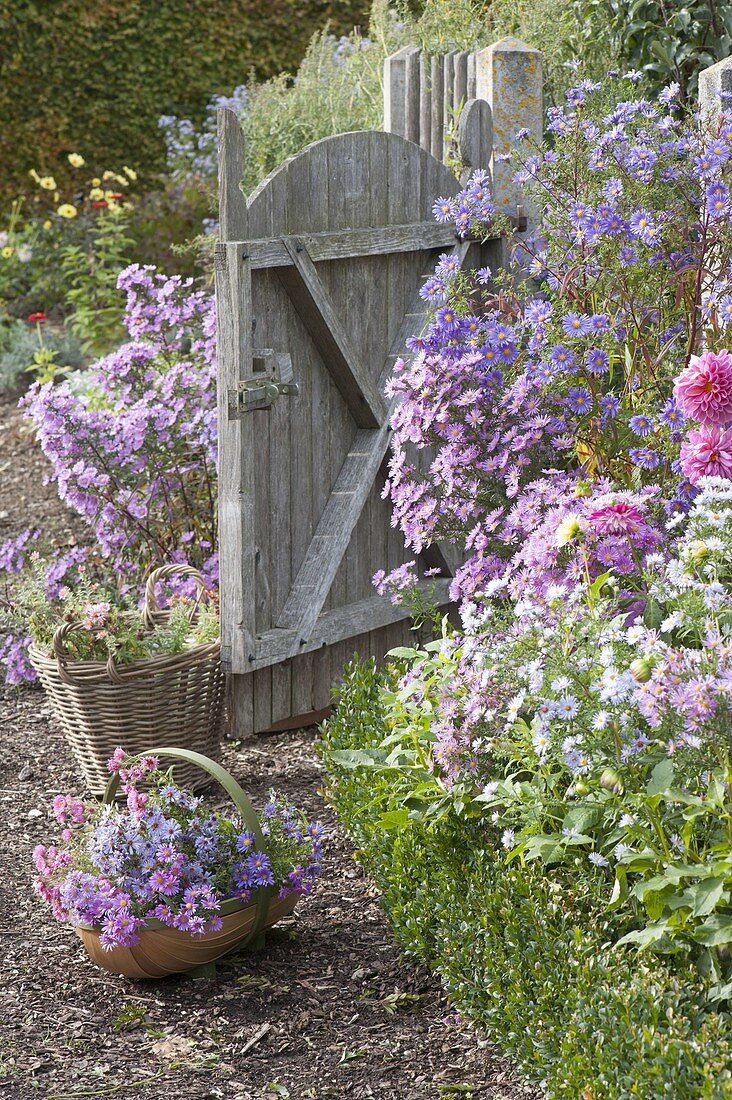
x=327, y=1008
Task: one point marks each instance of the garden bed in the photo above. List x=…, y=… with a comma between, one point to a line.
x=328, y=1008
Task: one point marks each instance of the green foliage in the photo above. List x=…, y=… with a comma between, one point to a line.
x=520, y=949
x=670, y=40
x=105, y=624
x=339, y=88
x=23, y=344
x=95, y=77
x=90, y=270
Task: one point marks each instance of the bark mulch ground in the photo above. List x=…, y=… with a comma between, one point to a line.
x=327, y=1008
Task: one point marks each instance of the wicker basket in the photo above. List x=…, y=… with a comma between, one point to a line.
x=162, y=950
x=139, y=706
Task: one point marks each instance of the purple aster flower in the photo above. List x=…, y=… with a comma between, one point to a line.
x=597, y=361
x=447, y=320
x=579, y=400
x=259, y=870
x=645, y=457
x=610, y=406
x=643, y=227
x=576, y=324
x=444, y=210
x=641, y=425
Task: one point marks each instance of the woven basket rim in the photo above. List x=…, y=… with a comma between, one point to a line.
x=97, y=670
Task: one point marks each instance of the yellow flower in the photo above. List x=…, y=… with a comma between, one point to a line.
x=96, y=193
x=47, y=223
x=48, y=183
x=76, y=160
x=96, y=182
x=34, y=176
x=66, y=210
x=129, y=172
x=108, y=175
x=7, y=252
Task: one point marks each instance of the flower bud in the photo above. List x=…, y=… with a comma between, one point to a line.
x=581, y=787
x=568, y=530
x=641, y=669
x=699, y=552
x=611, y=781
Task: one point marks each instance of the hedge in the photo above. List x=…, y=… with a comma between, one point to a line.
x=92, y=76
x=521, y=954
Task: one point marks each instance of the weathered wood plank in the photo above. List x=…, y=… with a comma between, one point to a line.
x=437, y=126
x=412, y=95
x=395, y=92
x=425, y=102
x=312, y=301
x=345, y=243
x=471, y=93
x=334, y=626
x=448, y=92
x=333, y=533
x=233, y=309
x=475, y=134
x=460, y=87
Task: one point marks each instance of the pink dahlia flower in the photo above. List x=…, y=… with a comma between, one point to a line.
x=703, y=391
x=707, y=452
x=619, y=518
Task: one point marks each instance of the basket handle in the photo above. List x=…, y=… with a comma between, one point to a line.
x=58, y=645
x=237, y=796
x=152, y=613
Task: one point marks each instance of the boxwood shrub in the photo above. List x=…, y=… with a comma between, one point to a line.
x=519, y=953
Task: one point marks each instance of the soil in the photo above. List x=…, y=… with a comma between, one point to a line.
x=327, y=1008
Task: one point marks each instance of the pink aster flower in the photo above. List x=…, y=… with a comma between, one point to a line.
x=707, y=452
x=703, y=391
x=619, y=518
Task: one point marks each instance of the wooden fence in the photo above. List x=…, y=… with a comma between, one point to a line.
x=467, y=106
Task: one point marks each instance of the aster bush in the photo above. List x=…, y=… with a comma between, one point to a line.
x=134, y=452
x=602, y=356
x=132, y=449
x=165, y=856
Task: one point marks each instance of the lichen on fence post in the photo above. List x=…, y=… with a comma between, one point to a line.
x=508, y=75
x=715, y=85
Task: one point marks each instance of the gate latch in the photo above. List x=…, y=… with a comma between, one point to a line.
x=273, y=377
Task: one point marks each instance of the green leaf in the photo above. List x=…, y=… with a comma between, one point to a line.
x=715, y=931
x=661, y=778
x=644, y=937
x=394, y=819
x=352, y=758
x=705, y=896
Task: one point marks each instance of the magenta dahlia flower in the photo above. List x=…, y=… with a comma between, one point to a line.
x=618, y=518
x=707, y=452
x=703, y=391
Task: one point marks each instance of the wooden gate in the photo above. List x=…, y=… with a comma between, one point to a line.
x=317, y=280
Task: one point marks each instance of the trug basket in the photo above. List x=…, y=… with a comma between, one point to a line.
x=161, y=700
x=163, y=950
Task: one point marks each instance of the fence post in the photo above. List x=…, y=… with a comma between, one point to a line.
x=714, y=83
x=402, y=93
x=508, y=75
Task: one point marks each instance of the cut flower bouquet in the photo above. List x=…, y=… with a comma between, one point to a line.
x=163, y=859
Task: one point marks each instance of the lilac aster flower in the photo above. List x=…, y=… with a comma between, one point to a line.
x=444, y=210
